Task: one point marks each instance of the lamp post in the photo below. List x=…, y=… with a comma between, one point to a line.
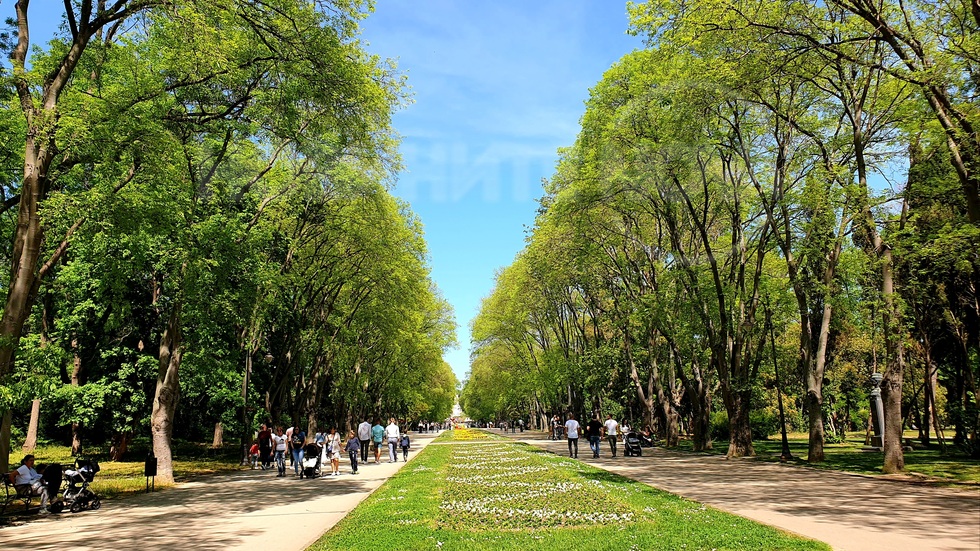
x=246, y=429
x=877, y=413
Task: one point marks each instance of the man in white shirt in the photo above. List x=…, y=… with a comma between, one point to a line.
x=364, y=436
x=571, y=433
x=28, y=482
x=392, y=434
x=612, y=432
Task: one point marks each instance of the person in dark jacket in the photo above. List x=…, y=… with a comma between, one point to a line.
x=353, y=448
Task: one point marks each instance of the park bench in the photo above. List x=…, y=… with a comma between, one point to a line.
x=13, y=495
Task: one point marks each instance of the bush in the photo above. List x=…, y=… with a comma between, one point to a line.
x=764, y=422
x=719, y=426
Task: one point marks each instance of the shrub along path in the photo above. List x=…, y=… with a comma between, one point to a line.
x=850, y=512
x=247, y=509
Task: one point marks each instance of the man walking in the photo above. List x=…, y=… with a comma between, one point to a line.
x=377, y=435
x=612, y=432
x=364, y=437
x=571, y=433
x=594, y=432
x=392, y=433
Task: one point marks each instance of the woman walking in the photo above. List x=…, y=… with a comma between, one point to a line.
x=296, y=442
x=279, y=442
x=333, y=445
x=353, y=447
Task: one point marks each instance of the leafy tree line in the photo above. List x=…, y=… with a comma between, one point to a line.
x=199, y=231
x=731, y=207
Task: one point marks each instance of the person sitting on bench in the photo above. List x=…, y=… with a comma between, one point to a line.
x=27, y=481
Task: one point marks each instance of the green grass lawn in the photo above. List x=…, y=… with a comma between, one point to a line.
x=500, y=495
x=848, y=456
x=125, y=477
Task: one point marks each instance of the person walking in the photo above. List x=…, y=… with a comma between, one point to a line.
x=405, y=443
x=353, y=447
x=571, y=433
x=279, y=444
x=265, y=446
x=594, y=432
x=612, y=432
x=377, y=436
x=392, y=433
x=296, y=442
x=364, y=438
x=333, y=451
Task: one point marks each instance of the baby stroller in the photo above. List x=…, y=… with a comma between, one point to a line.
x=631, y=445
x=77, y=495
x=311, y=461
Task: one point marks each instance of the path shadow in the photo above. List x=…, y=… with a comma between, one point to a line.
x=171, y=518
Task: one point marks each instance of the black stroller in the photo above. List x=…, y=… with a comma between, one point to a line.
x=311, y=461
x=77, y=495
x=631, y=445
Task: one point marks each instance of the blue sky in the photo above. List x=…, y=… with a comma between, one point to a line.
x=498, y=87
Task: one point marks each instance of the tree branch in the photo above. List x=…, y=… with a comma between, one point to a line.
x=70, y=16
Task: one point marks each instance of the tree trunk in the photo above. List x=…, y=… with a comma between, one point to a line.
x=891, y=384
x=218, y=439
x=700, y=414
x=697, y=395
x=740, y=439
x=246, y=434
x=120, y=444
x=166, y=396
x=31, y=442
x=5, y=423
x=76, y=373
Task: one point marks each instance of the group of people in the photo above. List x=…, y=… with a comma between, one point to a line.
x=594, y=431
x=275, y=446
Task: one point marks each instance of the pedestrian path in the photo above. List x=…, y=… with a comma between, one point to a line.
x=246, y=509
x=849, y=512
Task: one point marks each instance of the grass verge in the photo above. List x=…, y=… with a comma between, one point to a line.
x=126, y=477
x=464, y=434
x=848, y=456
x=504, y=495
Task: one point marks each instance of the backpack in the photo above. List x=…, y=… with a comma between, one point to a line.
x=404, y=442
x=297, y=439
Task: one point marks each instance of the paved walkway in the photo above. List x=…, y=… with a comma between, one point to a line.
x=849, y=512
x=252, y=509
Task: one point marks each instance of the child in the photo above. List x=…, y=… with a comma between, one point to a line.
x=253, y=454
x=405, y=444
x=353, y=448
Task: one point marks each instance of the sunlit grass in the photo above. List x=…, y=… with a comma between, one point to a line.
x=126, y=477
x=463, y=434
x=509, y=496
x=849, y=456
